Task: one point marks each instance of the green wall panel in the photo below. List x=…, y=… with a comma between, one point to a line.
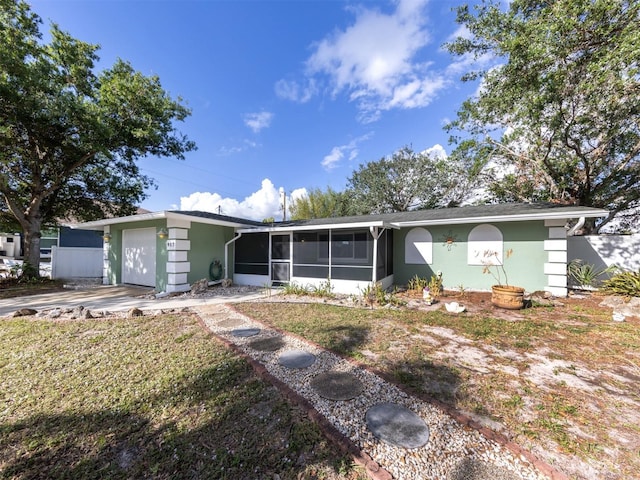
x=524, y=268
x=207, y=245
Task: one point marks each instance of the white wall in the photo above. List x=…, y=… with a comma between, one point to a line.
x=76, y=262
x=605, y=250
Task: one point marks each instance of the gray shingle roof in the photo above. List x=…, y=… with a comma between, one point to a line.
x=497, y=212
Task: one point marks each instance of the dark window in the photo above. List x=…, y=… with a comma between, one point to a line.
x=352, y=246
x=280, y=247
x=252, y=254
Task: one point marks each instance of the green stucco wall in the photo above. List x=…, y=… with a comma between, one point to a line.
x=207, y=245
x=525, y=267
x=114, y=271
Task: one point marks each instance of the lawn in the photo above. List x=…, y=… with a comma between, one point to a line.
x=562, y=381
x=151, y=397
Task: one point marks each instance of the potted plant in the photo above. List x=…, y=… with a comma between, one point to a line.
x=503, y=295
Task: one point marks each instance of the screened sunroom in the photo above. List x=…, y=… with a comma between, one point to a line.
x=351, y=257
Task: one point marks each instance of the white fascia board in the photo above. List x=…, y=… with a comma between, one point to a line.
x=210, y=221
x=325, y=226
x=113, y=221
x=154, y=216
x=594, y=213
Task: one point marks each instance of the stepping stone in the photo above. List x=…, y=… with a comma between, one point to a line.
x=337, y=385
x=397, y=425
x=296, y=359
x=230, y=323
x=245, y=332
x=269, y=344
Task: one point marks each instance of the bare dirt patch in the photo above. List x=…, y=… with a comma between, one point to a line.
x=560, y=378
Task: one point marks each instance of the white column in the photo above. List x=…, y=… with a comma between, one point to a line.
x=178, y=265
x=556, y=266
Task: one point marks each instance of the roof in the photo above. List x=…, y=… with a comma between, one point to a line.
x=193, y=215
x=504, y=212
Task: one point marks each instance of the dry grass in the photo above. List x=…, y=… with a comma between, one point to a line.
x=562, y=381
x=146, y=398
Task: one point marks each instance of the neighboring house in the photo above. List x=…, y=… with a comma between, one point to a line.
x=352, y=252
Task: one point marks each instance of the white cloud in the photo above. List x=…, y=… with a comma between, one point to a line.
x=259, y=205
x=374, y=61
x=437, y=151
x=296, y=92
x=246, y=145
x=258, y=121
x=331, y=161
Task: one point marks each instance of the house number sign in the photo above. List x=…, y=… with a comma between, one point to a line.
x=171, y=244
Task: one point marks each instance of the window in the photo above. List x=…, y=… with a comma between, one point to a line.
x=252, y=254
x=485, y=245
x=350, y=245
x=418, y=247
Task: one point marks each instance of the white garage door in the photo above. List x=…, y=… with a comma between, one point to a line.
x=139, y=256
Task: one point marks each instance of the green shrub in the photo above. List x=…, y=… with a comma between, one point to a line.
x=584, y=274
x=626, y=283
x=417, y=283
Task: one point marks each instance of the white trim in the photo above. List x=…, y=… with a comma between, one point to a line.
x=178, y=267
x=176, y=278
x=175, y=216
x=557, y=280
x=324, y=226
x=177, y=256
x=556, y=291
x=555, y=268
x=557, y=256
x=184, y=287
x=178, y=245
x=556, y=245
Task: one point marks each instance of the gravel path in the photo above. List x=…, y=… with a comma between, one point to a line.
x=453, y=452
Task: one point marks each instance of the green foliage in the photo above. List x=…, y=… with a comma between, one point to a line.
x=319, y=204
x=417, y=283
x=323, y=290
x=625, y=283
x=584, y=274
x=70, y=137
x=558, y=110
x=407, y=181
x=374, y=294
x=435, y=286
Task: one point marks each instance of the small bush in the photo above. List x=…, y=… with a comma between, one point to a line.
x=584, y=274
x=435, y=286
x=417, y=283
x=625, y=283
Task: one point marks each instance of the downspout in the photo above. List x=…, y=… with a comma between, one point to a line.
x=376, y=235
x=576, y=227
x=226, y=254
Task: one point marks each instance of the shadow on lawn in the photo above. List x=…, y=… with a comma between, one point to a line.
x=218, y=425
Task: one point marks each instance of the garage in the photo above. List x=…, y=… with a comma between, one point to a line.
x=139, y=256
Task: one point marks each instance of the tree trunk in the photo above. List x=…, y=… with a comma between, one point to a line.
x=32, y=236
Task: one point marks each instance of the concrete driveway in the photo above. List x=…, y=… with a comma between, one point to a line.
x=113, y=299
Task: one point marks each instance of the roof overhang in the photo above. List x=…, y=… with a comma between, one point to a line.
x=99, y=224
x=318, y=226
x=523, y=217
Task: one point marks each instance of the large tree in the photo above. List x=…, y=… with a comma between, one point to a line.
x=321, y=204
x=558, y=118
x=70, y=137
x=411, y=181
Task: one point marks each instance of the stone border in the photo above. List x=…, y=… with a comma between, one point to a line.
x=457, y=415
x=373, y=469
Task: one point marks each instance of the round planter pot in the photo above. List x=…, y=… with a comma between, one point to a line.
x=506, y=296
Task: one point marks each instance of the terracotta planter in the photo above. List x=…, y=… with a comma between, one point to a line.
x=506, y=296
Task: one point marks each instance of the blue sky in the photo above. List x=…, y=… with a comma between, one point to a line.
x=284, y=94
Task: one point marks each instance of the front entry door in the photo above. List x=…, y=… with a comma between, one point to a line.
x=280, y=259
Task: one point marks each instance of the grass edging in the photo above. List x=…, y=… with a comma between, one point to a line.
x=457, y=415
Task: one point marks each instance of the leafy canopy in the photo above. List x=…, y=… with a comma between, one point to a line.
x=559, y=118
x=321, y=204
x=70, y=136
x=411, y=181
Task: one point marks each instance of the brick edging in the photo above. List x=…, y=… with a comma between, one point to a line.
x=371, y=467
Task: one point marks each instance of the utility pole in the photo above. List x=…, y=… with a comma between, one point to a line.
x=283, y=204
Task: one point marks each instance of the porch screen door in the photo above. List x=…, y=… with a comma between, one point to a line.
x=280, y=258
